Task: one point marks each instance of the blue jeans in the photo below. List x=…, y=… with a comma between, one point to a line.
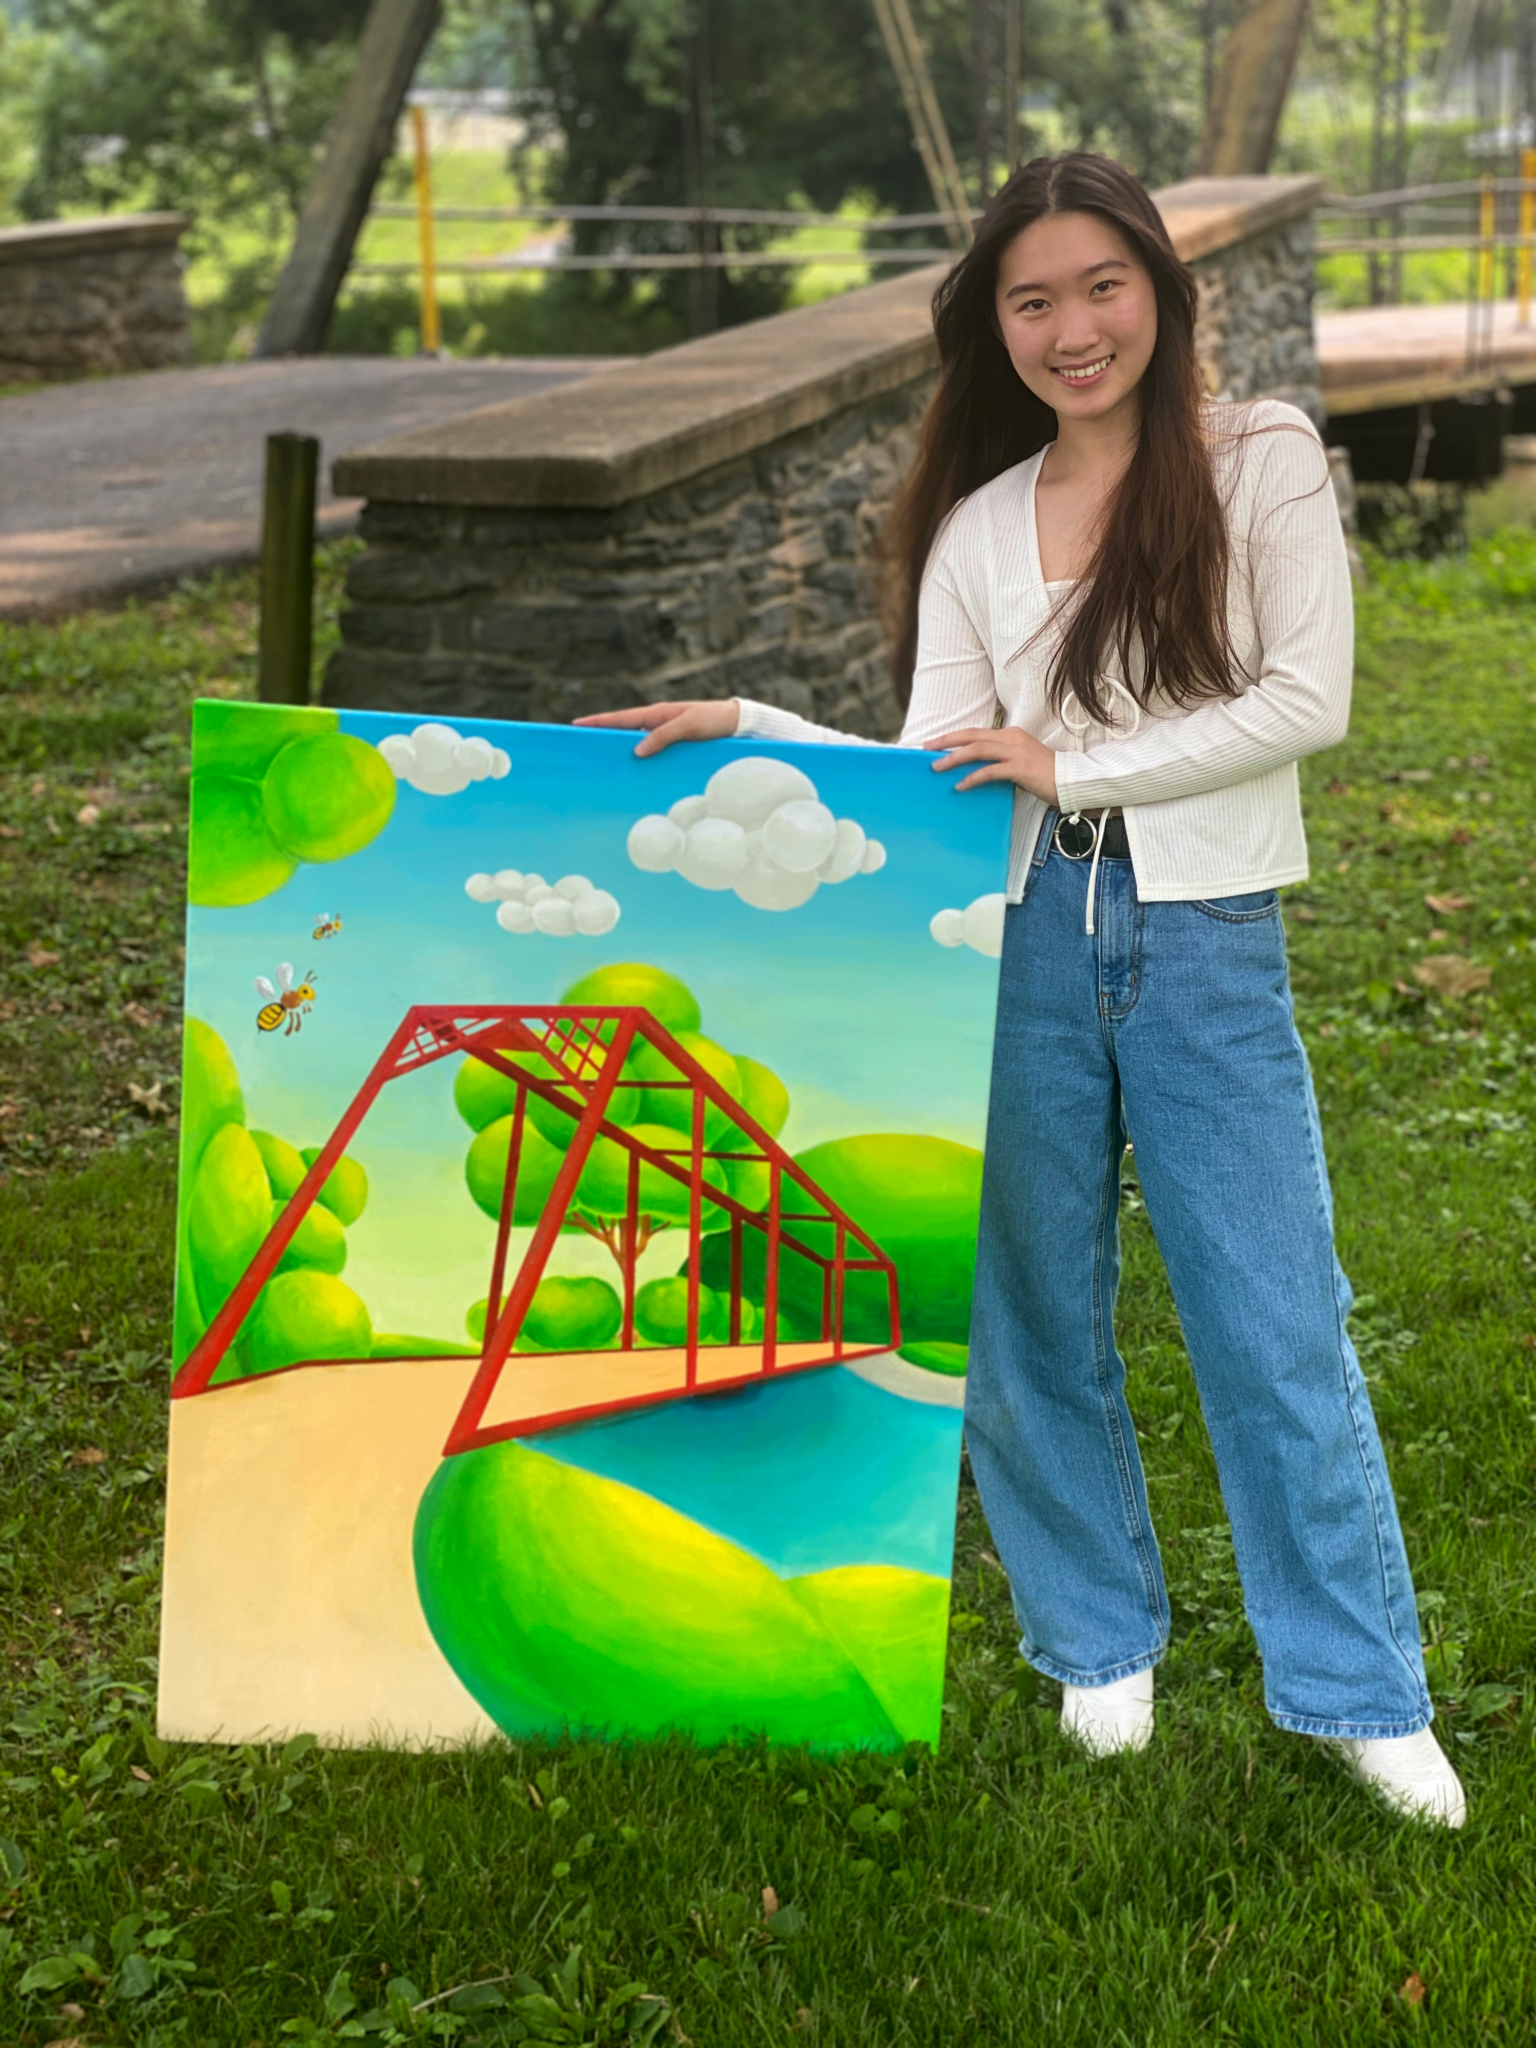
x=1172, y=1025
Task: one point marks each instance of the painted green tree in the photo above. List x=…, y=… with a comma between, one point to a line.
x=918, y=1197
x=273, y=790
x=657, y=1108
x=234, y=1183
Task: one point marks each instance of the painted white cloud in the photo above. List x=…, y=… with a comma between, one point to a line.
x=979, y=925
x=440, y=762
x=759, y=829
x=561, y=910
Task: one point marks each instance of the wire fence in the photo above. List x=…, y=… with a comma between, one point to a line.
x=703, y=222
x=1479, y=217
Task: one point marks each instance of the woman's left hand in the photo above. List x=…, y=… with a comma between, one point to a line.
x=1006, y=755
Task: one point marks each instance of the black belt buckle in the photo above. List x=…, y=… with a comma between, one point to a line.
x=1074, y=837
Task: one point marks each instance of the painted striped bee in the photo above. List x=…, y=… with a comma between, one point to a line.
x=284, y=1001
x=327, y=924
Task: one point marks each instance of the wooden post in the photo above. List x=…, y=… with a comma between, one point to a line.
x=984, y=66
x=359, y=140
x=699, y=150
x=1013, y=66
x=1485, y=234
x=287, y=569
x=1527, y=227
x=909, y=60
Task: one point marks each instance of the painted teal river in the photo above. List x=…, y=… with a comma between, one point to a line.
x=809, y=1472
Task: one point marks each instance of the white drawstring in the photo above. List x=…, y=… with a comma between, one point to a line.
x=1069, y=708
x=1093, y=871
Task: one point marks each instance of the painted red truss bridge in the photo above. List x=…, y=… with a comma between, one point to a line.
x=576, y=1060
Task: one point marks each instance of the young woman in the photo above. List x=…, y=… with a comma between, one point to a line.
x=1135, y=606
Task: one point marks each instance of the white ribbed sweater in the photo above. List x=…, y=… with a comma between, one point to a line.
x=1210, y=794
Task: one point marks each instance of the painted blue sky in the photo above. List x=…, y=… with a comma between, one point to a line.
x=871, y=1024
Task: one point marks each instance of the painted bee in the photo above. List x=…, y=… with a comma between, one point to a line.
x=284, y=1001
x=327, y=924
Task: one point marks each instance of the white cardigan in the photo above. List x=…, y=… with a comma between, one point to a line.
x=1210, y=794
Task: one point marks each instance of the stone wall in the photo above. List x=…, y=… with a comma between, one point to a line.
x=86, y=297
x=751, y=579
x=1254, y=331
x=705, y=523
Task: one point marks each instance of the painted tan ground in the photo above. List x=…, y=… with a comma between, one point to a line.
x=290, y=1598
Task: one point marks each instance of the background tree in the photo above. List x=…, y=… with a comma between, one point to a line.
x=801, y=107
x=658, y=1114
x=219, y=107
x=216, y=107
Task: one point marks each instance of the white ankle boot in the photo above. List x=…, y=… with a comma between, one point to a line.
x=1108, y=1718
x=1412, y=1773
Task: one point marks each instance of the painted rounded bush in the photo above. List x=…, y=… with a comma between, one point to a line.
x=485, y=1171
x=229, y=1213
x=284, y=1163
x=603, y=1190
x=345, y=1192
x=587, y=1322
x=671, y=1002
x=210, y=1099
x=319, y=1242
x=210, y=1090
x=919, y=1198
x=227, y=739
x=751, y=1184
x=559, y=1127
x=327, y=797
x=674, y=1106
x=661, y=1313
x=571, y=1314
x=306, y=1315
x=481, y=1094
x=234, y=858
x=762, y=1094
x=952, y=1360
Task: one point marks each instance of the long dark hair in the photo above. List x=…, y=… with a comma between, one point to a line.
x=1156, y=587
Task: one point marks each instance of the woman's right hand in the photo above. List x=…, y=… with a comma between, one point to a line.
x=710, y=718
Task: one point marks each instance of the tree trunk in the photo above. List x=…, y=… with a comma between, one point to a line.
x=359, y=140
x=1257, y=61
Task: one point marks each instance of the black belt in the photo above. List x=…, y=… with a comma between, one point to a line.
x=1074, y=837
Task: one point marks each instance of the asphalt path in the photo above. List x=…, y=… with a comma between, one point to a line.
x=125, y=483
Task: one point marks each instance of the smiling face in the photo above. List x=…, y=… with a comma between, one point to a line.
x=1077, y=314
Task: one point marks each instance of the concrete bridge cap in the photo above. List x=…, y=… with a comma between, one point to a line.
x=653, y=421
x=53, y=238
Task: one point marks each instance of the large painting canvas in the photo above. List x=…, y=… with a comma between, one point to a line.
x=580, y=1166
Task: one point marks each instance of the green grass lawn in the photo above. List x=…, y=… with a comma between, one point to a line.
x=1228, y=1886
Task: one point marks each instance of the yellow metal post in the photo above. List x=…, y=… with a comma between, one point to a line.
x=1485, y=228
x=431, y=331
x=1527, y=228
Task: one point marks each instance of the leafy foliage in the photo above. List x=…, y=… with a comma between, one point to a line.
x=215, y=107
x=805, y=107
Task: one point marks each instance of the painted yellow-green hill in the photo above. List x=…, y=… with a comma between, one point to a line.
x=888, y=1621
x=565, y=1599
